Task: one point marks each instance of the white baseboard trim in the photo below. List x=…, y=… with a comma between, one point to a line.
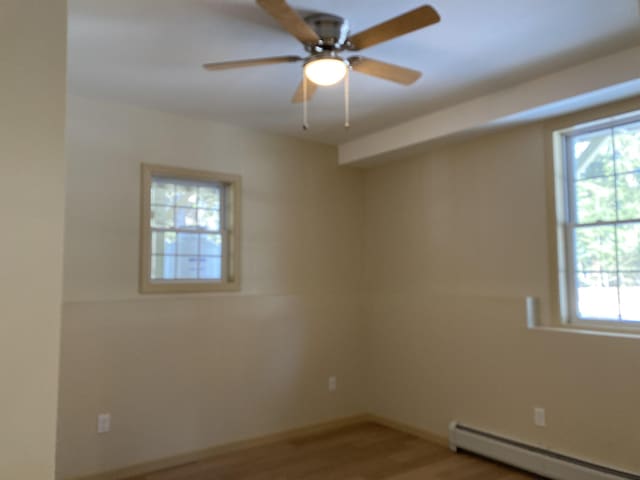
x=533, y=459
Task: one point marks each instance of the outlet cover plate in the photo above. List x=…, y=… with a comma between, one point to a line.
x=539, y=417
x=333, y=384
x=104, y=422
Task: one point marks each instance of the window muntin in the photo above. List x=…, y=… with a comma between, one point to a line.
x=189, y=235
x=603, y=222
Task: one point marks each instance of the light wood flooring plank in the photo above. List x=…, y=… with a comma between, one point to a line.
x=366, y=451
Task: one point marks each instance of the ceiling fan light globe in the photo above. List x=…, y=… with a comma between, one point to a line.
x=325, y=71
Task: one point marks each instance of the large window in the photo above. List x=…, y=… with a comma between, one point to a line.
x=599, y=208
x=189, y=234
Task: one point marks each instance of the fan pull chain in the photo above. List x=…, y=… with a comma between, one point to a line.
x=347, y=112
x=305, y=111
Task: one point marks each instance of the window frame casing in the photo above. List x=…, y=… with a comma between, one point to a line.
x=563, y=196
x=230, y=227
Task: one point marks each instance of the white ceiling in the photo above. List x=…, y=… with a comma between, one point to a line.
x=149, y=52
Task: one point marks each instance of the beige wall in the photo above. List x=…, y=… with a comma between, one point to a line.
x=32, y=103
x=455, y=241
x=450, y=244
x=182, y=373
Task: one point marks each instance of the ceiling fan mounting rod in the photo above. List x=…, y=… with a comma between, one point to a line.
x=332, y=30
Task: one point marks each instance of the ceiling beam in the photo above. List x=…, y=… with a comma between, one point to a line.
x=598, y=81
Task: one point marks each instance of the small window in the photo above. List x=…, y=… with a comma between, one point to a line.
x=189, y=234
x=598, y=199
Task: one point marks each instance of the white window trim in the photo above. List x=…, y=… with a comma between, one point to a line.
x=566, y=298
x=230, y=229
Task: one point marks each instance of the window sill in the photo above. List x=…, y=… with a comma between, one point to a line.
x=584, y=327
x=612, y=332
x=188, y=287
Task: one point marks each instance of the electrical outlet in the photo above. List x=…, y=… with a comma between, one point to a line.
x=104, y=422
x=333, y=384
x=539, y=417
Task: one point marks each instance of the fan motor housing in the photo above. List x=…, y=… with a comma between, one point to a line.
x=332, y=30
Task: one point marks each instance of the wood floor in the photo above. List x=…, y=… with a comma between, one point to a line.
x=367, y=451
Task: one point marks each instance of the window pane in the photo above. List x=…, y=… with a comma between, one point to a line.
x=595, y=249
x=187, y=244
x=186, y=218
x=186, y=195
x=187, y=268
x=597, y=295
x=209, y=197
x=162, y=217
x=162, y=193
x=593, y=155
x=629, y=196
x=209, y=219
x=211, y=268
x=630, y=296
x=163, y=243
x=627, y=140
x=629, y=247
x=595, y=200
x=211, y=245
x=163, y=267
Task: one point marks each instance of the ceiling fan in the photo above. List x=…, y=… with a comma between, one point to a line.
x=326, y=36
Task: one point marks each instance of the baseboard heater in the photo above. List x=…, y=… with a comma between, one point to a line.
x=532, y=459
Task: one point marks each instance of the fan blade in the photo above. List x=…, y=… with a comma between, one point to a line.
x=298, y=97
x=388, y=71
x=415, y=19
x=254, y=62
x=290, y=20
